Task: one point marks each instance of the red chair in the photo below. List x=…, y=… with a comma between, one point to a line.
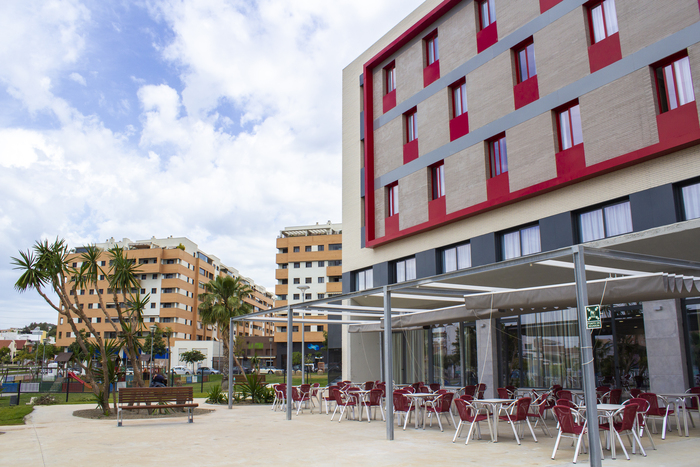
x=423, y=390
x=614, y=396
x=642, y=408
x=537, y=411
x=517, y=412
x=480, y=389
x=331, y=397
x=299, y=397
x=512, y=390
x=280, y=396
x=625, y=426
x=403, y=406
x=567, y=403
x=343, y=402
x=369, y=385
x=469, y=391
x=503, y=393
x=635, y=392
x=657, y=411
x=374, y=401
x=469, y=413
x=417, y=385
x=434, y=387
x=564, y=394
x=466, y=398
x=693, y=404
x=569, y=428
x=441, y=405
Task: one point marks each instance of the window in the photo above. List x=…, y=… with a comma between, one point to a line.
x=364, y=279
x=608, y=221
x=393, y=199
x=320, y=247
x=297, y=265
x=675, y=84
x=307, y=296
x=335, y=262
x=522, y=242
x=283, y=297
x=487, y=13
x=307, y=248
x=691, y=201
x=296, y=280
x=405, y=270
x=603, y=18
x=296, y=296
x=498, y=156
x=525, y=62
x=103, y=263
x=570, y=133
x=153, y=305
x=457, y=257
x=144, y=277
x=431, y=48
x=389, y=78
x=321, y=264
x=437, y=179
x=309, y=264
x=308, y=280
x=296, y=249
x=321, y=280
x=411, y=126
x=459, y=99
x=335, y=246
x=143, y=291
x=154, y=276
x=320, y=296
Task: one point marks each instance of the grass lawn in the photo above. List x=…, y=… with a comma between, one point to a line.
x=14, y=415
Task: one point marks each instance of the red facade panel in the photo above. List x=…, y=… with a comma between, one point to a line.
x=486, y=37
x=431, y=73
x=526, y=92
x=605, y=52
x=459, y=126
x=389, y=101
x=497, y=187
x=547, y=4
x=571, y=162
x=410, y=151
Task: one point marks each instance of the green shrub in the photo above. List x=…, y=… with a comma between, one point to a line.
x=216, y=395
x=259, y=393
x=46, y=399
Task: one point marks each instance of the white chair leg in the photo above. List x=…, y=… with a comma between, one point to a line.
x=578, y=447
x=457, y=431
x=531, y=429
x=622, y=445
x=556, y=445
x=639, y=442
x=471, y=429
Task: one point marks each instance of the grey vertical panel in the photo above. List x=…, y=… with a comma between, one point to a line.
x=381, y=274
x=557, y=231
x=484, y=249
x=362, y=237
x=347, y=282
x=362, y=79
x=426, y=263
x=653, y=208
x=362, y=125
x=362, y=183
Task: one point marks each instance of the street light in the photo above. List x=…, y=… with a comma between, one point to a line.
x=43, y=358
x=150, y=372
x=303, y=289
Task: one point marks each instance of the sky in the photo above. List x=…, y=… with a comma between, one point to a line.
x=215, y=120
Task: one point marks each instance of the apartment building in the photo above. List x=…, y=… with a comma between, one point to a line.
x=172, y=271
x=476, y=132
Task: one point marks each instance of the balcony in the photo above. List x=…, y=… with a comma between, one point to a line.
x=334, y=271
x=281, y=273
x=334, y=287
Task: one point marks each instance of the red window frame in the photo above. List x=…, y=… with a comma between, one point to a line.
x=603, y=5
x=459, y=98
x=411, y=125
x=389, y=78
x=487, y=13
x=393, y=199
x=525, y=61
x=498, y=155
x=437, y=177
x=432, y=53
x=571, y=115
x=666, y=72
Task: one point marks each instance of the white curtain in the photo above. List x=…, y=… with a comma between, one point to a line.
x=576, y=130
x=670, y=87
x=618, y=219
x=691, y=201
x=410, y=269
x=369, y=278
x=400, y=271
x=592, y=226
x=449, y=260
x=464, y=256
x=565, y=129
x=530, y=239
x=598, y=24
x=610, y=16
x=685, y=81
x=511, y=245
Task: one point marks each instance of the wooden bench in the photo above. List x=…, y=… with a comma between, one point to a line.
x=156, y=398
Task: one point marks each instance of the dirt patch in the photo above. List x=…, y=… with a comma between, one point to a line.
x=96, y=414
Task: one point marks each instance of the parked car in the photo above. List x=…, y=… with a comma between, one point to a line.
x=180, y=370
x=237, y=371
x=205, y=370
x=271, y=370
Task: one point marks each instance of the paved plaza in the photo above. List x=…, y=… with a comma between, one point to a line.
x=255, y=435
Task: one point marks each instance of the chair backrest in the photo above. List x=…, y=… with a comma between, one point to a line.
x=503, y=393
x=401, y=402
x=469, y=390
x=566, y=403
x=410, y=389
x=446, y=401
x=522, y=406
x=466, y=410
x=635, y=392
x=565, y=418
x=642, y=408
x=338, y=396
x=375, y=397
x=653, y=402
x=563, y=394
x=305, y=388
x=417, y=384
x=434, y=387
x=296, y=397
x=466, y=397
x=423, y=389
x=693, y=403
x=511, y=389
x=628, y=415
x=481, y=389
x=369, y=385
x=615, y=396
x=602, y=389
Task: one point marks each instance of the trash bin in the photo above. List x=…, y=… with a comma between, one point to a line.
x=14, y=400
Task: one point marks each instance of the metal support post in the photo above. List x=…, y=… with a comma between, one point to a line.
x=388, y=366
x=231, y=324
x=290, y=348
x=462, y=355
x=587, y=358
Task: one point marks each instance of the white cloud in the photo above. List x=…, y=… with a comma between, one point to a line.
x=78, y=78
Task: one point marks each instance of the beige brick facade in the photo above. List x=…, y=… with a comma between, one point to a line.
x=433, y=122
x=694, y=57
x=388, y=147
x=490, y=91
x=643, y=22
x=511, y=15
x=380, y=211
x=457, y=39
x=413, y=199
x=409, y=71
x=531, y=152
x=465, y=183
x=556, y=69
x=619, y=118
x=378, y=91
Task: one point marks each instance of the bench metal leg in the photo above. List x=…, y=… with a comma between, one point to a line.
x=190, y=415
x=119, y=417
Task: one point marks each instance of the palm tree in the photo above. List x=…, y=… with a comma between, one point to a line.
x=222, y=301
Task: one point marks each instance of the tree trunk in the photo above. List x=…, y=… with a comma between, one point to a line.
x=235, y=360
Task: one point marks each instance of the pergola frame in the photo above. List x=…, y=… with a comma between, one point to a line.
x=450, y=287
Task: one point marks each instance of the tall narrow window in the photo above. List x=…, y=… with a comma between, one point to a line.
x=570, y=133
x=431, y=48
x=522, y=242
x=525, y=58
x=438, y=180
x=411, y=126
x=603, y=19
x=364, y=279
x=675, y=84
x=459, y=99
x=608, y=221
x=406, y=270
x=393, y=199
x=389, y=78
x=691, y=201
x=498, y=156
x=459, y=257
x=487, y=13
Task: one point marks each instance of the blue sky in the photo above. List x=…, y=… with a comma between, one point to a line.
x=218, y=120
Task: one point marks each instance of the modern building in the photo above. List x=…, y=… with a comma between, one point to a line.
x=173, y=272
x=476, y=133
x=309, y=267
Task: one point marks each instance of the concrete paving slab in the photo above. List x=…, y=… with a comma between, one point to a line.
x=255, y=435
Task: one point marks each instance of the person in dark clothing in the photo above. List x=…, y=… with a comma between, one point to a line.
x=159, y=381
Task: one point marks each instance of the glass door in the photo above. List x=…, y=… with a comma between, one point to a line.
x=509, y=355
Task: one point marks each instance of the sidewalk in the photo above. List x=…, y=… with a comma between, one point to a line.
x=255, y=435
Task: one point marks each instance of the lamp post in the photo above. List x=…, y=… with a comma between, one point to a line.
x=43, y=358
x=150, y=372
x=303, y=289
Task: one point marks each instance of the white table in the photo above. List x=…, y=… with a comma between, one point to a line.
x=495, y=405
x=360, y=395
x=608, y=411
x=679, y=403
x=418, y=401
